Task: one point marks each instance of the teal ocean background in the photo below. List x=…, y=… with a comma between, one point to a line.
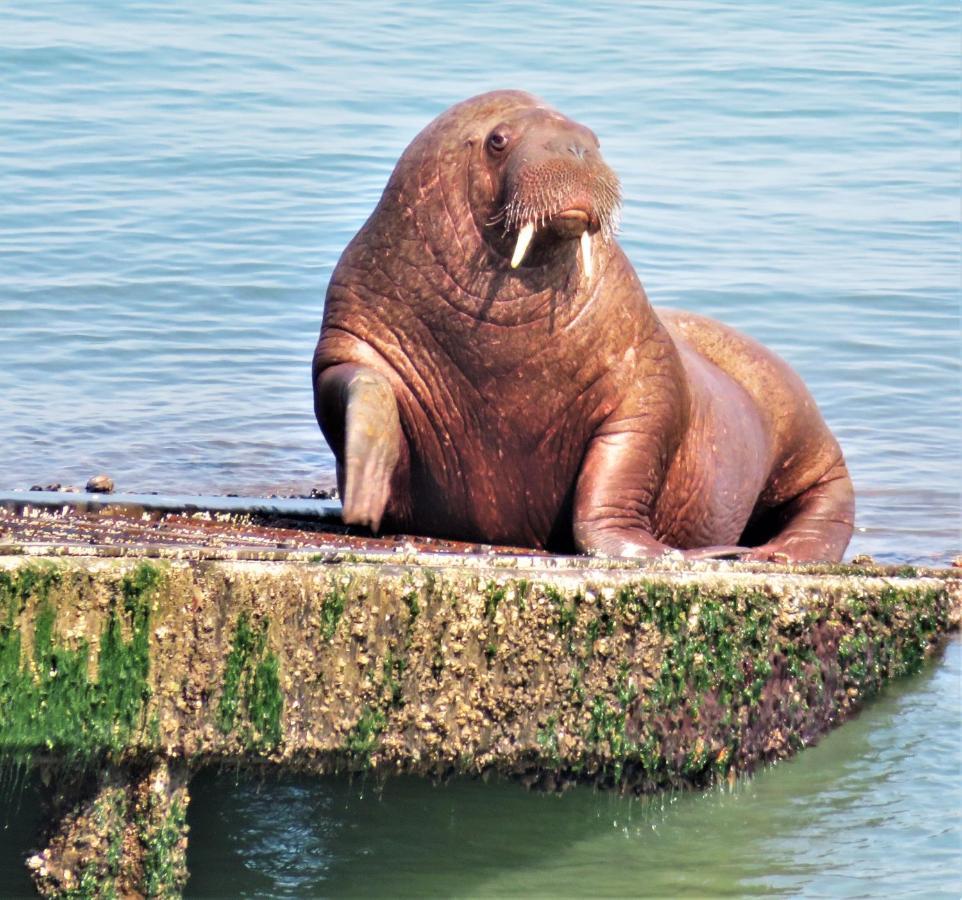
x=176, y=184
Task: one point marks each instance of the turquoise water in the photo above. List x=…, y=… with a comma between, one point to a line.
x=177, y=181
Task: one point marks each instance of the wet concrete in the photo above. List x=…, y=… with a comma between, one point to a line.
x=231, y=527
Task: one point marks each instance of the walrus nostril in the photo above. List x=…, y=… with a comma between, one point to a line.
x=577, y=150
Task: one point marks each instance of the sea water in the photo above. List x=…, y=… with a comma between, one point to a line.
x=176, y=183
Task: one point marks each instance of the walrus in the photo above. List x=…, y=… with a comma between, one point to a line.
x=489, y=369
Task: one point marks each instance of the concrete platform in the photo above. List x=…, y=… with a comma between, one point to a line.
x=137, y=645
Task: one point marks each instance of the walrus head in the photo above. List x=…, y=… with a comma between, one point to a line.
x=553, y=179
x=502, y=187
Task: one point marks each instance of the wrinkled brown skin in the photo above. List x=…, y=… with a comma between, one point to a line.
x=537, y=407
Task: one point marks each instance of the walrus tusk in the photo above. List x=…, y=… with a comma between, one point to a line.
x=524, y=238
x=586, y=252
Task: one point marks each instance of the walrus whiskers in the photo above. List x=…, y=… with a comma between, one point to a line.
x=545, y=194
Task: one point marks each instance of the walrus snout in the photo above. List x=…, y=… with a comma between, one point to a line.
x=556, y=183
x=573, y=197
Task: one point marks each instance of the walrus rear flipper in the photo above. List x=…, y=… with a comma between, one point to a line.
x=817, y=525
x=717, y=552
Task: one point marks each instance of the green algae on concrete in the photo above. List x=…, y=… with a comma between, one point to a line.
x=65, y=698
x=332, y=608
x=363, y=739
x=161, y=820
x=744, y=680
x=251, y=687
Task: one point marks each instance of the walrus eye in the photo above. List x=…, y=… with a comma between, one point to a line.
x=497, y=141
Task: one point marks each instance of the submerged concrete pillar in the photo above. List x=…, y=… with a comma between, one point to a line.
x=120, y=831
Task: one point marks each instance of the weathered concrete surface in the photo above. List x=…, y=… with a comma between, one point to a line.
x=377, y=656
x=44, y=522
x=427, y=665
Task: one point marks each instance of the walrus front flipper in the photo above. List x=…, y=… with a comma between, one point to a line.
x=357, y=411
x=619, y=478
